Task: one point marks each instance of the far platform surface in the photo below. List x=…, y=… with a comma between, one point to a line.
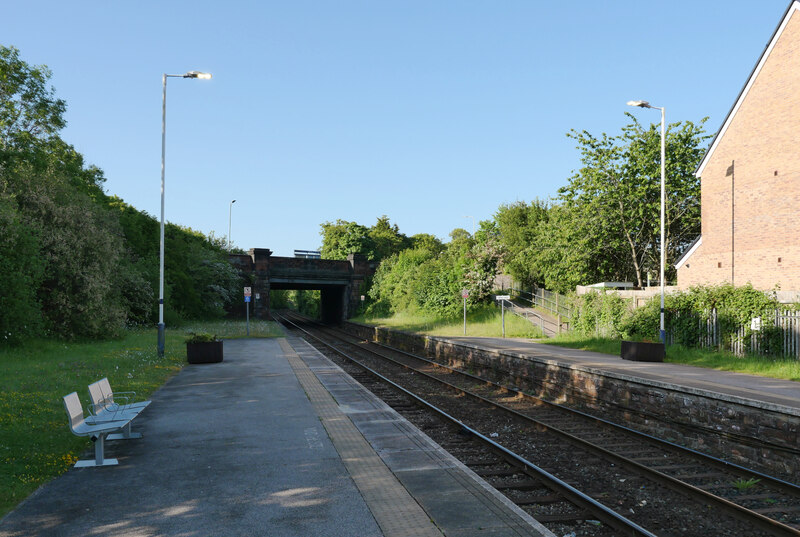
x=750, y=389
x=273, y=441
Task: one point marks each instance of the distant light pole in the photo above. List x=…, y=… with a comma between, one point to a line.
x=190, y=74
x=644, y=104
x=473, y=225
x=230, y=210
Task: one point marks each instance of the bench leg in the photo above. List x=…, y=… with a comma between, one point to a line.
x=99, y=455
x=126, y=434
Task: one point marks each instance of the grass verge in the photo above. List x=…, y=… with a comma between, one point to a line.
x=35, y=442
x=482, y=322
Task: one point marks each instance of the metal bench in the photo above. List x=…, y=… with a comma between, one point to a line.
x=104, y=408
x=97, y=431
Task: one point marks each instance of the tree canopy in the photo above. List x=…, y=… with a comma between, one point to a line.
x=77, y=263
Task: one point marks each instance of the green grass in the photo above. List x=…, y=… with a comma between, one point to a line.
x=484, y=322
x=35, y=442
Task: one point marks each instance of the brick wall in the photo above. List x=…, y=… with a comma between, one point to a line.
x=702, y=422
x=762, y=141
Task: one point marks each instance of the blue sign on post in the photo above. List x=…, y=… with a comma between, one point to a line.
x=247, y=299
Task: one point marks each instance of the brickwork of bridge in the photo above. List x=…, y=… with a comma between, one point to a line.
x=340, y=282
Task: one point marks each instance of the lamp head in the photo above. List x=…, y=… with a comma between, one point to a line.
x=197, y=74
x=640, y=104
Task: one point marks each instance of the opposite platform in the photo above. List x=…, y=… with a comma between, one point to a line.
x=753, y=390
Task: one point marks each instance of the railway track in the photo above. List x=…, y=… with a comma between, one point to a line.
x=649, y=475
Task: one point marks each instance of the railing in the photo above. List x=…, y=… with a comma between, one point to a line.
x=527, y=313
x=550, y=301
x=778, y=335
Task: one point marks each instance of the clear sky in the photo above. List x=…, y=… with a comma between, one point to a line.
x=423, y=110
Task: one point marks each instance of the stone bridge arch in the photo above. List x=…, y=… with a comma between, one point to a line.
x=341, y=282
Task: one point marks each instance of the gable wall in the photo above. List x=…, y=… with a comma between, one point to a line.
x=763, y=139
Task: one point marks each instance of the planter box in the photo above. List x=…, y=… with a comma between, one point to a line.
x=639, y=351
x=204, y=353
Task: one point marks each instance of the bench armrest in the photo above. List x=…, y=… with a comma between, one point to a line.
x=102, y=414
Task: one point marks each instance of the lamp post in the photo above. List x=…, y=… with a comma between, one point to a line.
x=230, y=211
x=644, y=104
x=190, y=74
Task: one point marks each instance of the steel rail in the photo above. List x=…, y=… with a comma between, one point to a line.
x=575, y=496
x=763, y=522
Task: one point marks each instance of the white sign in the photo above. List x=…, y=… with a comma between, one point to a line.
x=503, y=297
x=258, y=296
x=755, y=324
x=362, y=298
x=248, y=291
x=464, y=293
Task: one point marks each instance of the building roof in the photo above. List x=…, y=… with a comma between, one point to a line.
x=794, y=5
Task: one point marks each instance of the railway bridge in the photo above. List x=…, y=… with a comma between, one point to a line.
x=340, y=282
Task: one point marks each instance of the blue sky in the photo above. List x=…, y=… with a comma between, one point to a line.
x=425, y=111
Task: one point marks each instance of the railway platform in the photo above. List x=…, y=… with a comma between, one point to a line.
x=276, y=440
x=763, y=392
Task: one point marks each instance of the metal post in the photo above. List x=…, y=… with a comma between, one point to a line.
x=503, y=315
x=230, y=211
x=465, y=316
x=161, y=335
x=190, y=74
x=248, y=317
x=662, y=331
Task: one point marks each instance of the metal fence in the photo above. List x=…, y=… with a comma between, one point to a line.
x=549, y=301
x=778, y=335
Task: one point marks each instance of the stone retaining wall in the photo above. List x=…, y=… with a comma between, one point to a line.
x=712, y=423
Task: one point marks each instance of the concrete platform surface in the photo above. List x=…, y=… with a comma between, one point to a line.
x=273, y=441
x=762, y=392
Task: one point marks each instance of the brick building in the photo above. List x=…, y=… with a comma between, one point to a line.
x=750, y=178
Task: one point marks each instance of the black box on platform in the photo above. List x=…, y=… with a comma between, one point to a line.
x=207, y=352
x=640, y=351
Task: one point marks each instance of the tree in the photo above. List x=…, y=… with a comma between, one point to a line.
x=343, y=238
x=521, y=228
x=426, y=241
x=386, y=239
x=615, y=196
x=29, y=111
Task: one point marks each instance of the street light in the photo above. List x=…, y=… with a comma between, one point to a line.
x=644, y=104
x=190, y=74
x=230, y=210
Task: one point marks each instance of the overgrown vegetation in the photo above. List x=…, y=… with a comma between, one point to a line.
x=720, y=316
x=78, y=263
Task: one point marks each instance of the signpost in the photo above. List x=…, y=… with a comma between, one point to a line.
x=502, y=299
x=464, y=295
x=248, y=291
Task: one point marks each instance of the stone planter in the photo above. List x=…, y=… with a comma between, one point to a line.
x=204, y=353
x=639, y=351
